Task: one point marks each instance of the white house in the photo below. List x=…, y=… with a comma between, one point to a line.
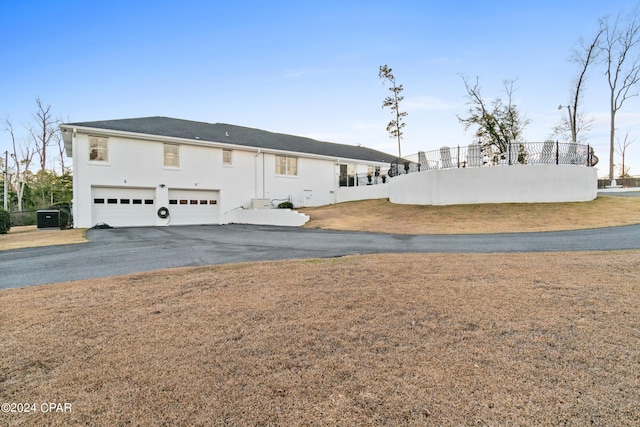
x=158, y=171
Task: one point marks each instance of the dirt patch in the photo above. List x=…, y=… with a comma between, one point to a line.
x=29, y=236
x=396, y=339
x=382, y=216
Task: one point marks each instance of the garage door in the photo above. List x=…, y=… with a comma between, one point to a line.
x=123, y=207
x=193, y=207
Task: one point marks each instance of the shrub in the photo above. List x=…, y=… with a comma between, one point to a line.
x=64, y=219
x=64, y=215
x=23, y=218
x=5, y=221
x=285, y=205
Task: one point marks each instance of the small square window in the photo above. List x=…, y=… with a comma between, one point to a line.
x=112, y=201
x=148, y=201
x=227, y=157
x=173, y=202
x=213, y=202
x=98, y=149
x=286, y=165
x=193, y=202
x=124, y=201
x=203, y=202
x=184, y=202
x=98, y=201
x=137, y=201
x=171, y=155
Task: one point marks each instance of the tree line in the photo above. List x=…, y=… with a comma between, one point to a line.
x=39, y=144
x=613, y=49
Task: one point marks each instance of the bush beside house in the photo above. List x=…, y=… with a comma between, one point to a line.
x=5, y=222
x=285, y=205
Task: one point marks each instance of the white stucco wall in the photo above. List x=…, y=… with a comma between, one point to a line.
x=138, y=164
x=503, y=184
x=362, y=192
x=312, y=186
x=280, y=217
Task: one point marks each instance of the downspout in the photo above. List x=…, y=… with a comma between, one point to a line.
x=336, y=181
x=74, y=182
x=263, y=175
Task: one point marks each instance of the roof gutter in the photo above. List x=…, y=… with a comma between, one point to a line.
x=195, y=142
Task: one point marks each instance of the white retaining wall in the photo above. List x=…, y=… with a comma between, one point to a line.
x=281, y=217
x=502, y=184
x=362, y=192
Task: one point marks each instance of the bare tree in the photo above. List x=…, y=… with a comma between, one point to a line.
x=59, y=143
x=575, y=122
x=45, y=131
x=621, y=149
x=498, y=124
x=395, y=126
x=621, y=39
x=22, y=157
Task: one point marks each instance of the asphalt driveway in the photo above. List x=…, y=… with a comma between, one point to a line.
x=127, y=250
x=625, y=193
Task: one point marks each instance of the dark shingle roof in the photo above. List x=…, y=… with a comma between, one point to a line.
x=238, y=135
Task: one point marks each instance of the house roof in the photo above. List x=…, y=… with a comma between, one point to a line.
x=236, y=135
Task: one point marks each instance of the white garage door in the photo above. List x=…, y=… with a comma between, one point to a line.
x=123, y=207
x=193, y=207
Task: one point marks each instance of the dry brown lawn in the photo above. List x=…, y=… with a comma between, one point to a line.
x=29, y=237
x=394, y=339
x=382, y=216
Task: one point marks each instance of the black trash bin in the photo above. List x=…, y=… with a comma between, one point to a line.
x=47, y=219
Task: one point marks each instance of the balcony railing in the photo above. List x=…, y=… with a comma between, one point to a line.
x=516, y=153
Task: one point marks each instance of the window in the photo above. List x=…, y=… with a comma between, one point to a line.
x=286, y=165
x=347, y=175
x=98, y=149
x=171, y=155
x=227, y=158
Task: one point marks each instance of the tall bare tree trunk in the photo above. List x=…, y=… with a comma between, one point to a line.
x=612, y=135
x=622, y=60
x=45, y=131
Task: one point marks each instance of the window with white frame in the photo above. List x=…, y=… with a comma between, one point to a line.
x=98, y=149
x=171, y=155
x=227, y=157
x=347, y=175
x=286, y=165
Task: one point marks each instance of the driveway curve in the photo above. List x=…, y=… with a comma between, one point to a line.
x=117, y=251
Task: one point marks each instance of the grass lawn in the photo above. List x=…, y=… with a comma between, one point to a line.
x=382, y=216
x=390, y=339
x=29, y=237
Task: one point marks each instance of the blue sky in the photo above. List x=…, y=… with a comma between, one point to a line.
x=303, y=68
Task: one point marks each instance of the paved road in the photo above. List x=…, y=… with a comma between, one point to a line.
x=625, y=193
x=127, y=250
